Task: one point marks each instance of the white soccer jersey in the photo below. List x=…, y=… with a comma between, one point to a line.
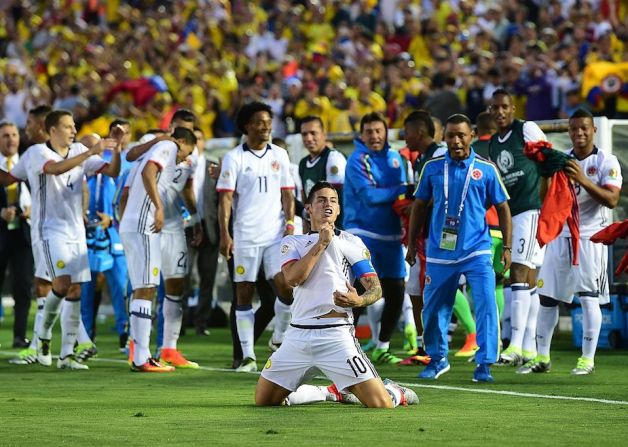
x=257, y=178
x=57, y=200
x=140, y=212
x=602, y=169
x=345, y=258
x=170, y=196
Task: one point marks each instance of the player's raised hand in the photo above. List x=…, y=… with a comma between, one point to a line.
x=350, y=298
x=159, y=220
x=226, y=246
x=326, y=233
x=117, y=133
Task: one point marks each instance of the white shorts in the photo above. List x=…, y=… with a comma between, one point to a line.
x=248, y=260
x=174, y=255
x=66, y=258
x=305, y=353
x=413, y=285
x=143, y=258
x=41, y=269
x=560, y=280
x=525, y=247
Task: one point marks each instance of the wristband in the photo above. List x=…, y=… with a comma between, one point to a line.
x=506, y=248
x=194, y=219
x=289, y=222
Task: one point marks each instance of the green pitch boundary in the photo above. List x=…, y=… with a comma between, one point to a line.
x=412, y=385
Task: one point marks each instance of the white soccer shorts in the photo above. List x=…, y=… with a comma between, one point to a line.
x=248, y=260
x=305, y=353
x=41, y=268
x=66, y=258
x=143, y=258
x=559, y=279
x=525, y=247
x=413, y=286
x=174, y=255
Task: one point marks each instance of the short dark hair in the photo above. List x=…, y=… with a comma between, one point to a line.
x=53, y=118
x=484, y=122
x=312, y=118
x=185, y=134
x=247, y=111
x=317, y=187
x=4, y=124
x=458, y=118
x=581, y=113
x=40, y=111
x=118, y=122
x=501, y=92
x=185, y=115
x=372, y=118
x=423, y=118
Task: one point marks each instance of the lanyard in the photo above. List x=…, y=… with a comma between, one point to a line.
x=465, y=189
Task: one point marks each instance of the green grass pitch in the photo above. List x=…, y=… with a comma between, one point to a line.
x=108, y=405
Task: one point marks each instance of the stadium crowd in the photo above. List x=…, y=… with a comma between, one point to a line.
x=172, y=75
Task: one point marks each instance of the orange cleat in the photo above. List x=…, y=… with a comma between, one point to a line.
x=151, y=365
x=131, y=352
x=172, y=357
x=469, y=348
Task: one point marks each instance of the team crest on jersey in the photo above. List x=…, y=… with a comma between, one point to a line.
x=155, y=271
x=540, y=283
x=60, y=264
x=240, y=270
x=395, y=163
x=591, y=171
x=225, y=174
x=284, y=249
x=476, y=174
x=366, y=253
x=612, y=173
x=428, y=280
x=268, y=364
x=505, y=161
x=275, y=166
x=333, y=170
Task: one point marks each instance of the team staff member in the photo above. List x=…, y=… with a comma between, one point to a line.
x=320, y=266
x=374, y=179
x=460, y=184
x=598, y=180
x=522, y=180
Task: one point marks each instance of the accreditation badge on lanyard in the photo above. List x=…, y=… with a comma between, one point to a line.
x=451, y=227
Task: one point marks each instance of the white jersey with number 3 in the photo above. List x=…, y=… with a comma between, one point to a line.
x=256, y=178
x=57, y=208
x=603, y=170
x=139, y=214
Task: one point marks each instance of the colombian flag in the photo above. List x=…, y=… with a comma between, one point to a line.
x=603, y=79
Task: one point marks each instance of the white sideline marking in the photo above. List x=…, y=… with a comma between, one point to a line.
x=412, y=385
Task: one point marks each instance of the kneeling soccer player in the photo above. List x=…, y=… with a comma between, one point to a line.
x=321, y=266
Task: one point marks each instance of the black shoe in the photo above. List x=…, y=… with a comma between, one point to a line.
x=19, y=342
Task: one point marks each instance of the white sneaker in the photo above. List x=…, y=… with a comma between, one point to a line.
x=25, y=357
x=44, y=357
x=408, y=396
x=247, y=365
x=70, y=362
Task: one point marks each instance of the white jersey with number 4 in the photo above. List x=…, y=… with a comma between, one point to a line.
x=345, y=259
x=139, y=214
x=256, y=178
x=602, y=169
x=57, y=209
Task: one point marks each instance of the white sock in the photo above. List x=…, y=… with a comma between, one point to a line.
x=506, y=329
x=245, y=322
x=407, y=313
x=70, y=321
x=529, y=337
x=419, y=341
x=382, y=345
x=283, y=315
x=394, y=392
x=546, y=322
x=306, y=394
x=50, y=315
x=39, y=315
x=82, y=336
x=374, y=315
x=173, y=317
x=591, y=325
x=519, y=313
x=141, y=323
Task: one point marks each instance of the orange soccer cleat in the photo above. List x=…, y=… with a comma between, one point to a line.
x=172, y=357
x=151, y=365
x=469, y=348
